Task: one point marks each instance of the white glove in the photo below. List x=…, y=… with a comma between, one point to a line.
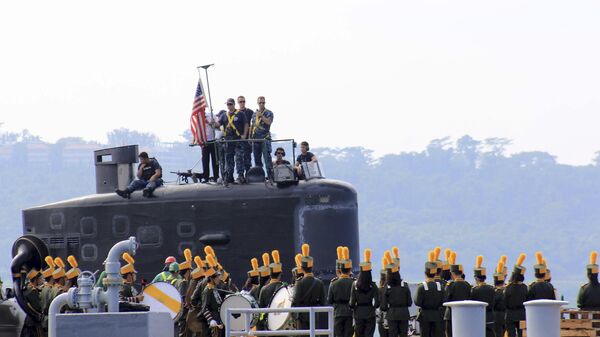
x=213, y=323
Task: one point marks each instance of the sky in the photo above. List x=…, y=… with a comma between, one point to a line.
x=387, y=75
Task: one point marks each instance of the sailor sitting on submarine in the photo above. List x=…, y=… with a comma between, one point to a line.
x=149, y=176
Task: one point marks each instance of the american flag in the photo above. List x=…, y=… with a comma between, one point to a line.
x=198, y=120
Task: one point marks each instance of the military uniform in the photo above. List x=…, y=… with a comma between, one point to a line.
x=499, y=312
x=339, y=296
x=589, y=293
x=484, y=293
x=364, y=305
x=456, y=290
x=515, y=294
x=309, y=291
x=382, y=324
x=395, y=302
x=211, y=300
x=234, y=124
x=540, y=290
x=429, y=299
x=32, y=327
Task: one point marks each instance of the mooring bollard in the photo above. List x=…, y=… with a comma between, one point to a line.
x=543, y=318
x=468, y=318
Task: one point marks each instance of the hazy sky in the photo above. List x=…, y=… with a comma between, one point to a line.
x=387, y=75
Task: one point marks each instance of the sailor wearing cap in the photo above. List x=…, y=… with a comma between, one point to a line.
x=339, y=295
x=540, y=289
x=484, y=292
x=589, y=293
x=499, y=306
x=429, y=299
x=396, y=299
x=236, y=128
x=310, y=291
x=456, y=290
x=515, y=294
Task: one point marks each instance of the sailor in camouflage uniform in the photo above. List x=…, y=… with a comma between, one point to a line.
x=364, y=299
x=589, y=293
x=268, y=291
x=456, y=290
x=429, y=299
x=540, y=289
x=32, y=327
x=515, y=294
x=499, y=306
x=309, y=291
x=396, y=299
x=484, y=292
x=339, y=295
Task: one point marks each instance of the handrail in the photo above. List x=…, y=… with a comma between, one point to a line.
x=312, y=331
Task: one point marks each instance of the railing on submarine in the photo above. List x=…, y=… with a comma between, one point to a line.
x=312, y=330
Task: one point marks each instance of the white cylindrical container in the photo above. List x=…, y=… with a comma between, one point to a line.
x=543, y=318
x=468, y=318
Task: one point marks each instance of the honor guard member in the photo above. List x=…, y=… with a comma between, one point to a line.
x=364, y=299
x=226, y=282
x=429, y=299
x=72, y=273
x=297, y=272
x=261, y=129
x=540, y=289
x=309, y=291
x=515, y=294
x=185, y=269
x=499, y=306
x=457, y=290
x=128, y=293
x=339, y=297
x=59, y=278
x=32, y=327
x=197, y=298
x=440, y=265
x=589, y=293
x=338, y=263
x=211, y=300
x=264, y=274
x=235, y=128
x=246, y=146
x=252, y=280
x=446, y=276
x=46, y=291
x=192, y=323
x=396, y=299
x=484, y=292
x=267, y=292
x=548, y=279
x=382, y=323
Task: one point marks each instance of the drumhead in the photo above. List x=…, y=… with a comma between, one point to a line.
x=237, y=301
x=162, y=297
x=282, y=299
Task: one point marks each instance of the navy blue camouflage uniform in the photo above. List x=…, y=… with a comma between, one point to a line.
x=246, y=147
x=233, y=151
x=262, y=150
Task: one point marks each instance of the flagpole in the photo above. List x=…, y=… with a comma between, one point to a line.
x=205, y=67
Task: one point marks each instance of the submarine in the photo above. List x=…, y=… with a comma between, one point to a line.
x=239, y=221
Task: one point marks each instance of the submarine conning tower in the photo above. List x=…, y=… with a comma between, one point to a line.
x=239, y=221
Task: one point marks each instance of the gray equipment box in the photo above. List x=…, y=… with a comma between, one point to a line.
x=130, y=324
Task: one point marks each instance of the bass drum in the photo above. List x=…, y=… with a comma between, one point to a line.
x=237, y=301
x=281, y=320
x=162, y=297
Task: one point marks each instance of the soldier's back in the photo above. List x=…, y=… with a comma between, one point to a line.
x=589, y=297
x=485, y=293
x=430, y=298
x=541, y=290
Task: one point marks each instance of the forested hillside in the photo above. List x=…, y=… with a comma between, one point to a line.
x=467, y=195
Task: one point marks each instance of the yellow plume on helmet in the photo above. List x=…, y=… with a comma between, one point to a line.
x=50, y=262
x=340, y=252
x=198, y=262
x=431, y=256
x=437, y=251
x=266, y=259
x=500, y=267
x=346, y=253
x=387, y=256
x=504, y=258
x=593, y=257
x=478, y=261
x=211, y=261
x=539, y=258
x=521, y=259
x=128, y=258
x=447, y=253
x=298, y=259
x=188, y=254
x=452, y=258
x=367, y=254
x=276, y=257
x=59, y=262
x=305, y=249
x=396, y=252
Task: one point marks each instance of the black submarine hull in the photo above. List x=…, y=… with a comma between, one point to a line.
x=240, y=222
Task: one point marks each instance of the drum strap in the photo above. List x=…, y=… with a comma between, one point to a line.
x=312, y=286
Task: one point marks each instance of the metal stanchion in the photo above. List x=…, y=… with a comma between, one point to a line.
x=468, y=318
x=543, y=318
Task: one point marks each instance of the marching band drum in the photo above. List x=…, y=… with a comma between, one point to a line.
x=162, y=297
x=238, y=301
x=281, y=320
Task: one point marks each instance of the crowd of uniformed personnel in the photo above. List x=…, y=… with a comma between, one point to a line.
x=360, y=305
